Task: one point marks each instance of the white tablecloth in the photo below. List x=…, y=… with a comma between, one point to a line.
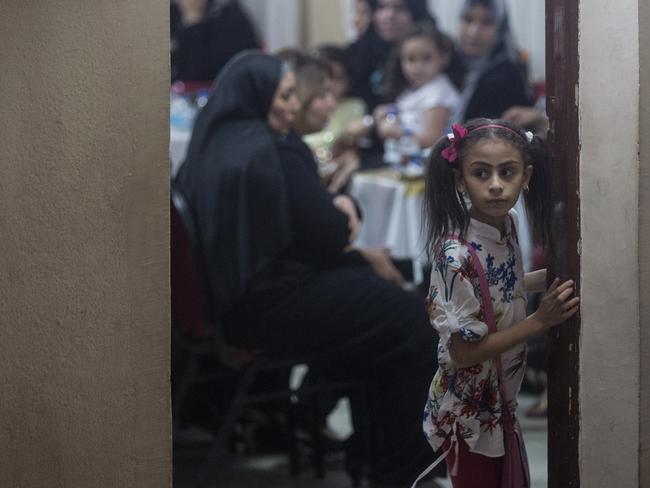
x=392, y=210
x=392, y=217
x=179, y=139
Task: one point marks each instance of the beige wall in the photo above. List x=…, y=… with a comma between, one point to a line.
x=84, y=333
x=323, y=22
x=644, y=238
x=609, y=343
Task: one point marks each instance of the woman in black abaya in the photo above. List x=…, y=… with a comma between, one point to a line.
x=281, y=270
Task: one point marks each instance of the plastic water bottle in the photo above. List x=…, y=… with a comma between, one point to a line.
x=182, y=112
x=392, y=153
x=409, y=147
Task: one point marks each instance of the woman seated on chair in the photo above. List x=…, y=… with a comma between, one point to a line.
x=283, y=275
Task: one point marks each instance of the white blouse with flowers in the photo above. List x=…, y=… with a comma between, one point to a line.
x=468, y=398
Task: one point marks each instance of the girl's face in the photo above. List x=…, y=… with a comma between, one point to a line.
x=493, y=174
x=285, y=105
x=478, y=32
x=317, y=113
x=340, y=82
x=421, y=61
x=392, y=19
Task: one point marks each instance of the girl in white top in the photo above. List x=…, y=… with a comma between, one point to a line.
x=426, y=101
x=489, y=163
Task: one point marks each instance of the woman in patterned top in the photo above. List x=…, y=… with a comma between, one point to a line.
x=474, y=178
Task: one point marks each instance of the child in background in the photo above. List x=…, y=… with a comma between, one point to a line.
x=426, y=101
x=336, y=146
x=482, y=349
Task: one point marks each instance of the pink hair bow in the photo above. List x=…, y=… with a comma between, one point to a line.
x=458, y=134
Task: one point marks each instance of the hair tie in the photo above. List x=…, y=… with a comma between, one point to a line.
x=459, y=133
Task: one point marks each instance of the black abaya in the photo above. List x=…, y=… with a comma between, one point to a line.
x=300, y=292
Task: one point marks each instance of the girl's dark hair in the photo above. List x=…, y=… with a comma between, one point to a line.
x=445, y=210
x=395, y=81
x=331, y=53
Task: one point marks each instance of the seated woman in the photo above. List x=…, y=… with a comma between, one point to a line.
x=281, y=270
x=494, y=79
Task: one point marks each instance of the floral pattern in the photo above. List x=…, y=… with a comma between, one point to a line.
x=469, y=398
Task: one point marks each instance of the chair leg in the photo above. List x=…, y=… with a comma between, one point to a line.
x=183, y=387
x=294, y=454
x=316, y=437
x=227, y=424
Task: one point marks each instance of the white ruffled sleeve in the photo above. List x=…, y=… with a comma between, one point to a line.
x=454, y=303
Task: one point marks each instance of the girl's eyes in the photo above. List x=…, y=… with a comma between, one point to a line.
x=484, y=173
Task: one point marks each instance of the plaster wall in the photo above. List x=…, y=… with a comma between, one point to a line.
x=84, y=314
x=325, y=22
x=644, y=238
x=609, y=343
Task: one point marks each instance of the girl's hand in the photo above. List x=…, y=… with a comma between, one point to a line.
x=347, y=164
x=346, y=205
x=557, y=305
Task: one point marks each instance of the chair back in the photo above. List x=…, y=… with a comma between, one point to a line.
x=188, y=287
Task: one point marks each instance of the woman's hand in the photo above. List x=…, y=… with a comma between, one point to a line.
x=346, y=205
x=347, y=163
x=557, y=305
x=192, y=11
x=379, y=259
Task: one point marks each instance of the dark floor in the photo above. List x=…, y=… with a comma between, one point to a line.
x=272, y=470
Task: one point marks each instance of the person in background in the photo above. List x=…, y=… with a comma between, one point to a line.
x=335, y=144
x=366, y=57
x=494, y=80
x=205, y=34
x=362, y=16
x=283, y=273
x=425, y=100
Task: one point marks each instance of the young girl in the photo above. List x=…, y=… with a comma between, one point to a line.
x=488, y=162
x=425, y=100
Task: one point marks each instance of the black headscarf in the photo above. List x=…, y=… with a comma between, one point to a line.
x=366, y=57
x=233, y=180
x=200, y=51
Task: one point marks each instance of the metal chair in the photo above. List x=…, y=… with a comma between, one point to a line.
x=197, y=336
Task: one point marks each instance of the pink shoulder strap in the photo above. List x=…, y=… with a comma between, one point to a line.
x=488, y=311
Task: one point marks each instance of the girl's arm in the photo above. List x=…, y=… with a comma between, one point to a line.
x=535, y=281
x=555, y=308
x=435, y=120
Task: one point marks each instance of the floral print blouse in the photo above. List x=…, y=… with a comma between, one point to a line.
x=468, y=398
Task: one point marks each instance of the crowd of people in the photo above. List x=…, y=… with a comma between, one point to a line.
x=270, y=158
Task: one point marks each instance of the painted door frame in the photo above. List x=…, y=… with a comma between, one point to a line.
x=563, y=361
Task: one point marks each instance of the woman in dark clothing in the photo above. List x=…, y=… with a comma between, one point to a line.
x=494, y=81
x=205, y=34
x=279, y=263
x=367, y=56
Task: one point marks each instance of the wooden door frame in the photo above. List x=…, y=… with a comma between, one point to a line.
x=563, y=361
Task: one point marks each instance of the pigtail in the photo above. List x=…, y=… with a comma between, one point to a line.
x=539, y=200
x=445, y=210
